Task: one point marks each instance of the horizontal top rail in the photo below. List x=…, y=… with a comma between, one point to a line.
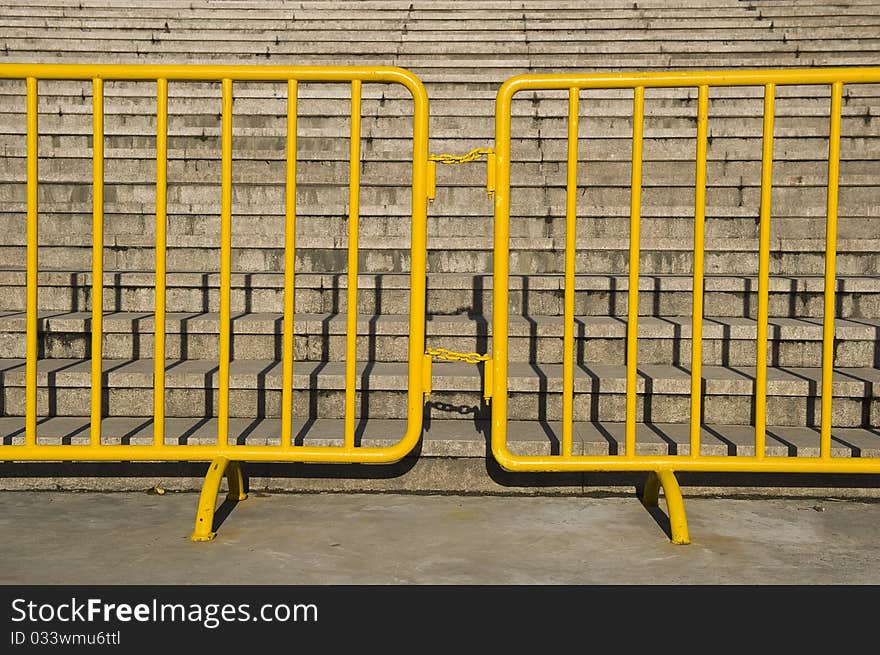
x=201, y=72
x=757, y=77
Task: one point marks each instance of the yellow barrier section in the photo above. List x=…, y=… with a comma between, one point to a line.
x=224, y=454
x=661, y=468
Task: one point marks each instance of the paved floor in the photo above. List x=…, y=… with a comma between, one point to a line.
x=93, y=538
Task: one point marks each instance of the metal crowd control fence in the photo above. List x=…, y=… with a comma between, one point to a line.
x=223, y=454
x=662, y=468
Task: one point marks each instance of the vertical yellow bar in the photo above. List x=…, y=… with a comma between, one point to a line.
x=225, y=262
x=418, y=265
x=97, y=254
x=30, y=431
x=353, y=215
x=161, y=210
x=764, y=271
x=632, y=319
x=501, y=271
x=830, y=270
x=699, y=245
x=568, y=310
x=289, y=262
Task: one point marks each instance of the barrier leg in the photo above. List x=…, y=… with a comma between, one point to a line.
x=235, y=481
x=204, y=528
x=650, y=497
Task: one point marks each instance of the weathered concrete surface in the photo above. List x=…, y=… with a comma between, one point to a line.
x=94, y=538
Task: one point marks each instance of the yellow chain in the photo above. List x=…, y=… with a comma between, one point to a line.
x=473, y=155
x=452, y=356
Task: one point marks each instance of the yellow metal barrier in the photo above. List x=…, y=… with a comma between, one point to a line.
x=224, y=455
x=661, y=468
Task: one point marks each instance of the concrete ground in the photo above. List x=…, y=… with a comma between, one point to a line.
x=95, y=538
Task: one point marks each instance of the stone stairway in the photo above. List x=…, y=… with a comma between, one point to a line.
x=462, y=52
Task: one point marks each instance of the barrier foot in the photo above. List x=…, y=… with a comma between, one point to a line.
x=650, y=497
x=204, y=529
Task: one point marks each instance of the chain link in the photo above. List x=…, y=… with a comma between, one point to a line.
x=473, y=155
x=452, y=356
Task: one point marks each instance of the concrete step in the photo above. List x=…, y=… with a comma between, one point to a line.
x=534, y=391
x=592, y=173
x=263, y=144
x=786, y=233
x=447, y=294
x=538, y=190
x=440, y=11
x=384, y=338
x=464, y=202
x=119, y=10
x=452, y=46
x=138, y=229
x=509, y=18
x=543, y=196
x=460, y=438
x=375, y=43
x=808, y=260
x=605, y=136
x=393, y=200
x=192, y=220
x=378, y=120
